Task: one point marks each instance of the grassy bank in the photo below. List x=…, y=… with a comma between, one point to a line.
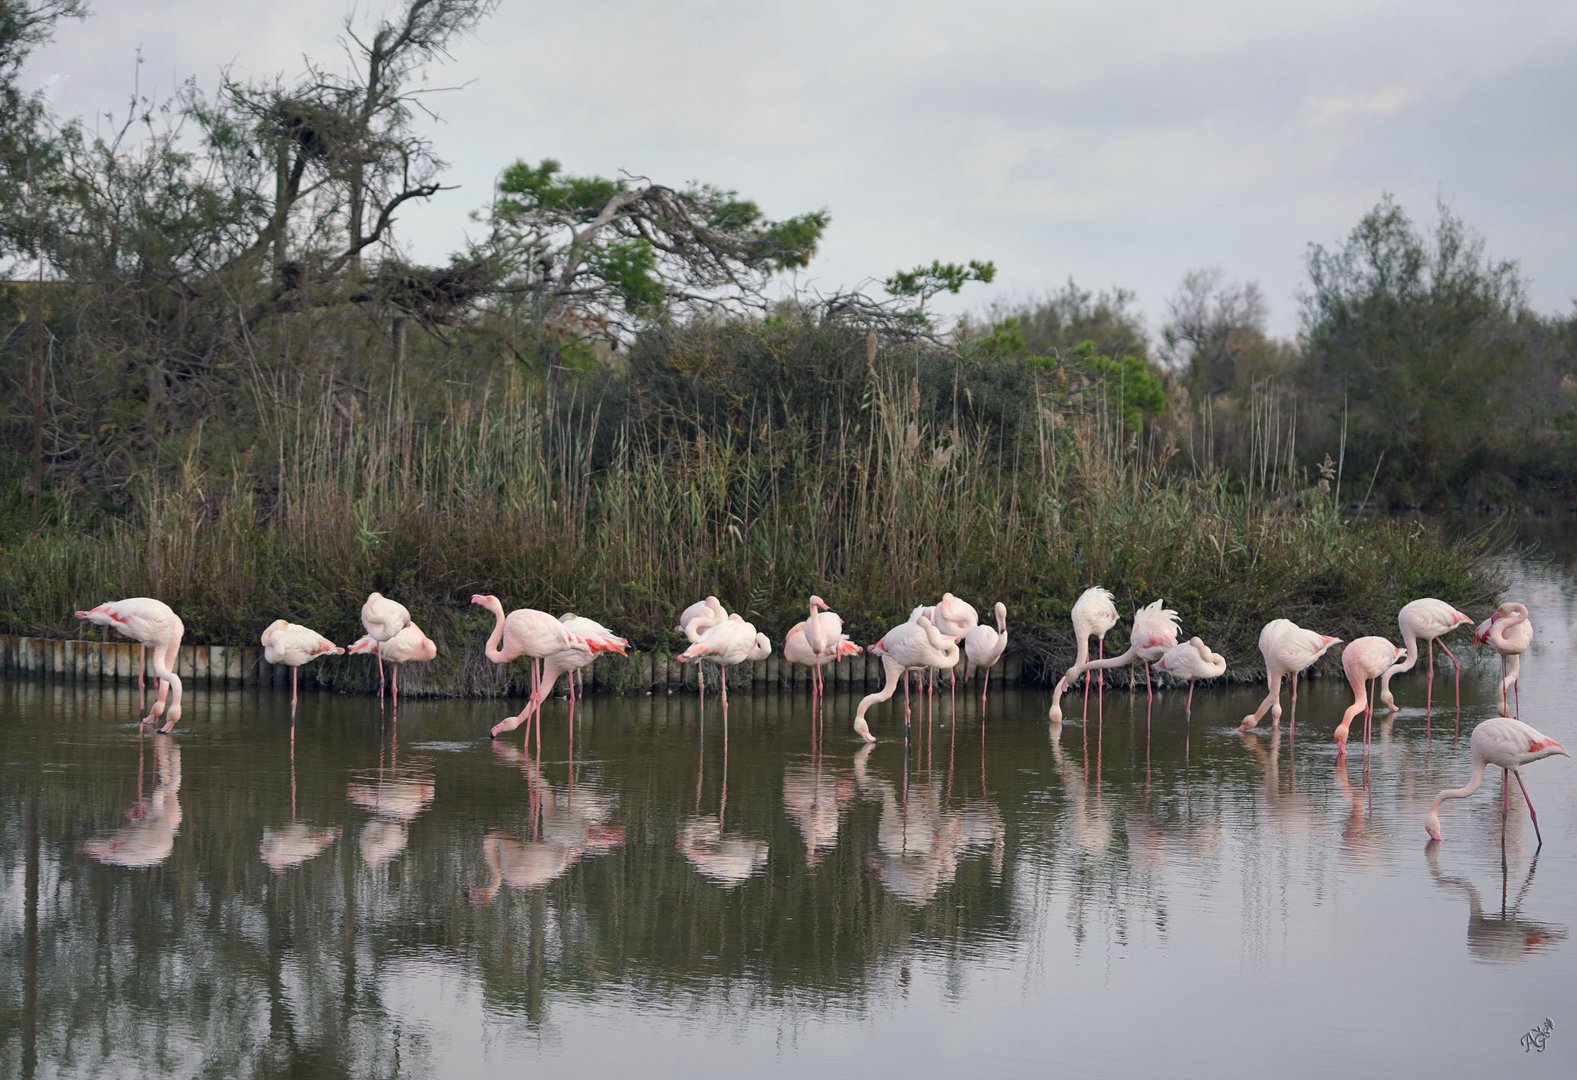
x=549, y=502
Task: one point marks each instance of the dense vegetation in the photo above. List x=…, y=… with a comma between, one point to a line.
x=249, y=405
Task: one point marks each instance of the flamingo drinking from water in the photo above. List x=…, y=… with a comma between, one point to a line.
x=150, y=622
x=1509, y=744
x=1288, y=649
x=1364, y=660
x=916, y=645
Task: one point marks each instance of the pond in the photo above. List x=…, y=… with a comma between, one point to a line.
x=357, y=893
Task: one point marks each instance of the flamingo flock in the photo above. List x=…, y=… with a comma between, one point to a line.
x=934, y=638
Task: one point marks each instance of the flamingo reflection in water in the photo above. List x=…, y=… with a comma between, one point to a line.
x=919, y=842
x=155, y=821
x=817, y=797
x=564, y=828
x=727, y=859
x=395, y=799
x=288, y=846
x=1502, y=937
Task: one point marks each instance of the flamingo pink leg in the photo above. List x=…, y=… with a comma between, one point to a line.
x=1532, y=815
x=1458, y=665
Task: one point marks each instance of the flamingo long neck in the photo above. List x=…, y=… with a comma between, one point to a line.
x=818, y=641
x=1463, y=792
x=494, y=647
x=1498, y=632
x=894, y=672
x=1110, y=662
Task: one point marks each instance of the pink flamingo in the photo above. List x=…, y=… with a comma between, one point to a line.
x=1192, y=661
x=732, y=641
x=916, y=645
x=410, y=644
x=696, y=620
x=382, y=618
x=1364, y=660
x=984, y=646
x=1508, y=632
x=818, y=641
x=293, y=645
x=525, y=632
x=1509, y=744
x=1154, y=631
x=598, y=637
x=566, y=661
x=1288, y=649
x=1429, y=619
x=150, y=622
x=1095, y=614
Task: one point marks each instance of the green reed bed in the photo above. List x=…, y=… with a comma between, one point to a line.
x=549, y=502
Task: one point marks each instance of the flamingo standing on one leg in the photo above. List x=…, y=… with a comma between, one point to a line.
x=1429, y=619
x=696, y=620
x=1288, y=649
x=1509, y=633
x=1154, y=631
x=984, y=646
x=732, y=641
x=150, y=622
x=1094, y=614
x=1192, y=661
x=818, y=641
x=1364, y=660
x=1509, y=744
x=382, y=618
x=410, y=644
x=915, y=645
x=293, y=645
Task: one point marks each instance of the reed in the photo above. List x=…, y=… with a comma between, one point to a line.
x=549, y=501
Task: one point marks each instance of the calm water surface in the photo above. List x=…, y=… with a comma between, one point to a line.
x=401, y=897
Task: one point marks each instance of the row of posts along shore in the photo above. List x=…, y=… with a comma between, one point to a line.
x=243, y=665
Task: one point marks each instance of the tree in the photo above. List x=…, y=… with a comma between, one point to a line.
x=1416, y=339
x=592, y=256
x=1215, y=335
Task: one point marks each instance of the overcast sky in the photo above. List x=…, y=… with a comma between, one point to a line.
x=1122, y=144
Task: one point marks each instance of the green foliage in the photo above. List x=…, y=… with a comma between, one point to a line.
x=924, y=282
x=1127, y=381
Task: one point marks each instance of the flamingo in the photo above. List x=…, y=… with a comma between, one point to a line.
x=1094, y=614
x=953, y=617
x=1509, y=633
x=1191, y=661
x=1288, y=649
x=1509, y=744
x=696, y=620
x=984, y=647
x=525, y=632
x=1364, y=660
x=293, y=645
x=150, y=622
x=1154, y=631
x=566, y=661
x=1429, y=619
x=155, y=821
x=382, y=618
x=407, y=645
x=915, y=645
x=732, y=641
x=597, y=636
x=818, y=641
